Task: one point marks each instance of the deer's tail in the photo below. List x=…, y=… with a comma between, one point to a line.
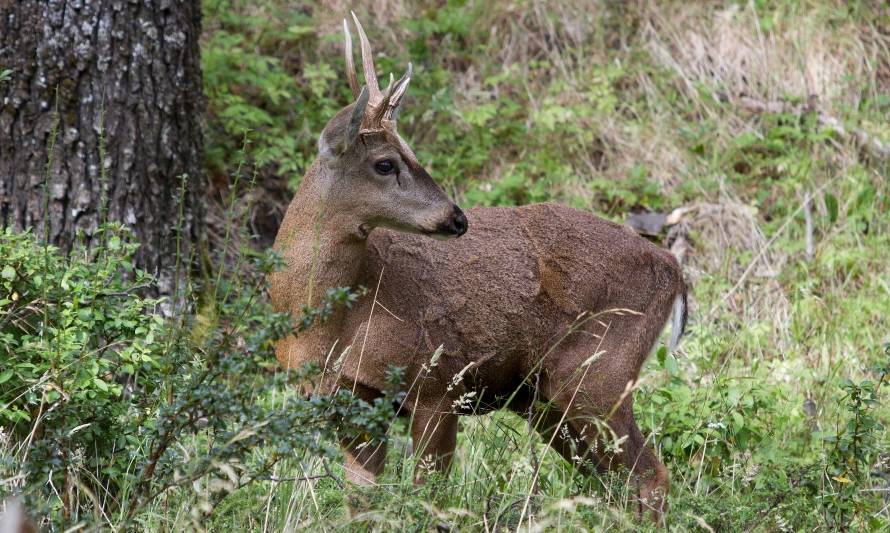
x=678, y=319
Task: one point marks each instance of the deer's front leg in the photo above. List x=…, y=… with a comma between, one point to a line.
x=365, y=460
x=435, y=436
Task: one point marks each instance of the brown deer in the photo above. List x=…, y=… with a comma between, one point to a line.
x=542, y=309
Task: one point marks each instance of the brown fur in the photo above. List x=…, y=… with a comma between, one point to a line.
x=519, y=305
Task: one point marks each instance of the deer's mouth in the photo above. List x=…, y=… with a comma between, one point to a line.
x=440, y=236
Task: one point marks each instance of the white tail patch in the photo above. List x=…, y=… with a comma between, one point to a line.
x=677, y=322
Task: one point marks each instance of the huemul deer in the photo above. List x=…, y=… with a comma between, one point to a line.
x=542, y=309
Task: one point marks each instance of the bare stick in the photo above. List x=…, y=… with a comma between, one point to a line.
x=808, y=218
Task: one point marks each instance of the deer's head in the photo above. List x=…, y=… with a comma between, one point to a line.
x=376, y=180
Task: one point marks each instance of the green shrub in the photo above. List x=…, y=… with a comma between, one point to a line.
x=80, y=349
x=853, y=448
x=69, y=330
x=102, y=396
x=253, y=63
x=709, y=428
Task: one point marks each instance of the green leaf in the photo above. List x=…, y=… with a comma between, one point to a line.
x=8, y=273
x=661, y=354
x=866, y=199
x=737, y=420
x=831, y=207
x=670, y=364
x=5, y=375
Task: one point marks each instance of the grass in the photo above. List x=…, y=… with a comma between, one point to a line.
x=727, y=110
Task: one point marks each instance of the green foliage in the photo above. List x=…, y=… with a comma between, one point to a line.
x=5, y=75
x=251, y=86
x=109, y=395
x=711, y=427
x=74, y=335
x=852, y=450
x=782, y=152
x=81, y=367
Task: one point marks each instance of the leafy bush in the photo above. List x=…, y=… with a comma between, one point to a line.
x=253, y=61
x=853, y=448
x=711, y=428
x=103, y=396
x=76, y=339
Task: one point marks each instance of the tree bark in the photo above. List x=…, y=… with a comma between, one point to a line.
x=125, y=77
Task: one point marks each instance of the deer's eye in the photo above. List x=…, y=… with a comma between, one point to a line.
x=384, y=167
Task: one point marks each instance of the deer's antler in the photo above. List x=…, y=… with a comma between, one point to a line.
x=381, y=105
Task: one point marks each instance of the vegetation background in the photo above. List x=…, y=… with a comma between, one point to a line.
x=762, y=126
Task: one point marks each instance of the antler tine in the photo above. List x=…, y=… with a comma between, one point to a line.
x=367, y=60
x=350, y=64
x=390, y=108
x=391, y=96
x=401, y=86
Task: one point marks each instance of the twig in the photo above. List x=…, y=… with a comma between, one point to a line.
x=277, y=479
x=327, y=469
x=808, y=217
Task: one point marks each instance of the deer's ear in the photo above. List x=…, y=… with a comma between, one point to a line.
x=355, y=120
x=336, y=140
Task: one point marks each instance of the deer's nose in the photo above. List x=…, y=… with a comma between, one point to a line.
x=459, y=221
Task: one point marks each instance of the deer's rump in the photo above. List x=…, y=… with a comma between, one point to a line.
x=502, y=295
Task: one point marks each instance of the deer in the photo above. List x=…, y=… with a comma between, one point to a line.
x=541, y=309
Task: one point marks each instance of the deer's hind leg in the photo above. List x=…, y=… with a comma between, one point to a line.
x=649, y=475
x=364, y=462
x=598, y=403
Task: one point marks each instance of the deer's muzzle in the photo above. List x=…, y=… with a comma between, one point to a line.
x=455, y=225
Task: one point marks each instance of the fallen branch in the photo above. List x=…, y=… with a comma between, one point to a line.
x=277, y=479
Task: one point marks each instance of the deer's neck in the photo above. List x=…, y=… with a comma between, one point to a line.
x=321, y=250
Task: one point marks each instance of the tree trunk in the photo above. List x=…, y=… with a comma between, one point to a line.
x=125, y=76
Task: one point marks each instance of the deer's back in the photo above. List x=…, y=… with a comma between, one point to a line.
x=519, y=277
